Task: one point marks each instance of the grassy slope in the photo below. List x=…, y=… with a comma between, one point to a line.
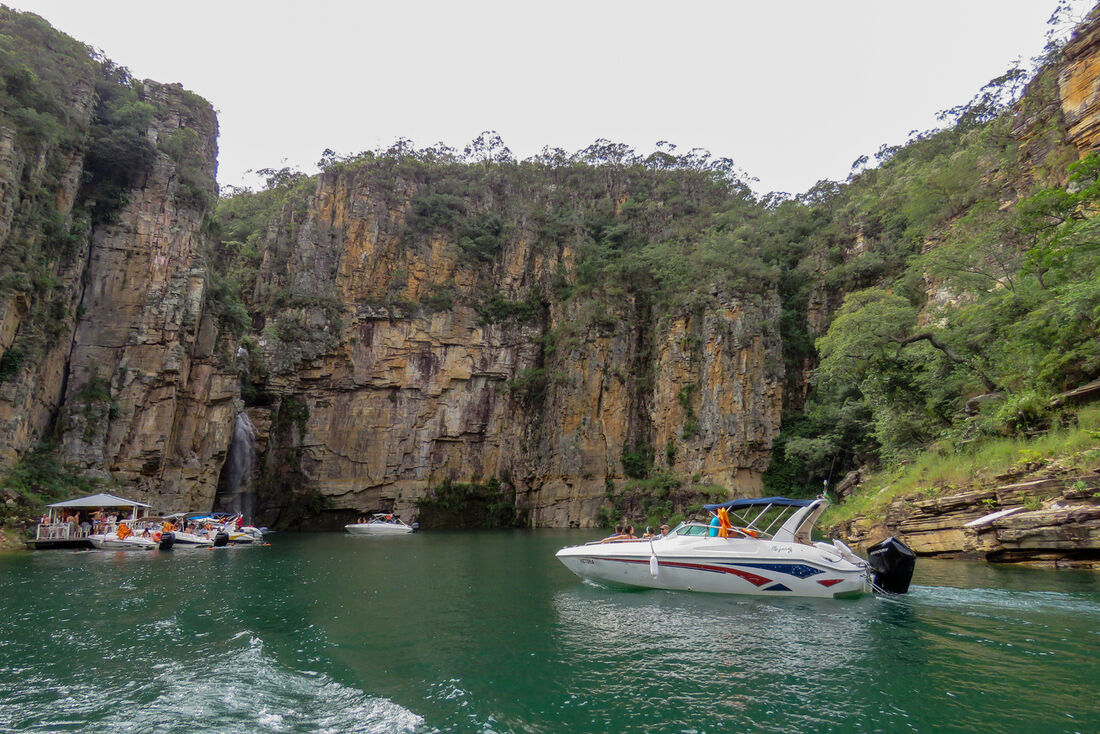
x=1075, y=450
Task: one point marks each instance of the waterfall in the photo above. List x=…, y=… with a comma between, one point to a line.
x=238, y=467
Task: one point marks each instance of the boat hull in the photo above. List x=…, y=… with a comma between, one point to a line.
x=720, y=566
x=378, y=528
x=190, y=540
x=112, y=542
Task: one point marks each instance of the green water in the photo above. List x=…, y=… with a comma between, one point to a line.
x=487, y=632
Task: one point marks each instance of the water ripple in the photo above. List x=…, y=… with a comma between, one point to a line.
x=487, y=632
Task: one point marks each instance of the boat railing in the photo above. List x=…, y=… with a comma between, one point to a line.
x=60, y=531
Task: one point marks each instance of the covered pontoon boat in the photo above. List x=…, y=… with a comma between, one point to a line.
x=70, y=524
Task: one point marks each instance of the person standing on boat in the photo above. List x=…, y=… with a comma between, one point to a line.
x=715, y=523
x=663, y=534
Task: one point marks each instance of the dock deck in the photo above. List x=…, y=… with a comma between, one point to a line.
x=59, y=535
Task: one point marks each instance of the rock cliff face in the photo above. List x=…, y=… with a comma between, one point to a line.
x=39, y=182
x=149, y=398
x=1079, y=86
x=412, y=327
x=394, y=399
x=107, y=350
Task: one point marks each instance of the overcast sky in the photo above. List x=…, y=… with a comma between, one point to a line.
x=792, y=90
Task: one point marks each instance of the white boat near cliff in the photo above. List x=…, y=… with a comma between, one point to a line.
x=768, y=551
x=380, y=524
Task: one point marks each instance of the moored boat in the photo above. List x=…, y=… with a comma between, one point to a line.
x=765, y=549
x=122, y=538
x=191, y=540
x=204, y=529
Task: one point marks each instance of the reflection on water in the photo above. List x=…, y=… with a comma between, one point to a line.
x=487, y=632
x=712, y=661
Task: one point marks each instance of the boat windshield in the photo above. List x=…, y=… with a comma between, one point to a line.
x=755, y=521
x=695, y=529
x=690, y=528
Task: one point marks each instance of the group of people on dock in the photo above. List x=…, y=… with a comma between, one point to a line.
x=96, y=522
x=626, y=533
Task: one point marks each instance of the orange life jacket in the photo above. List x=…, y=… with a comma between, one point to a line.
x=724, y=525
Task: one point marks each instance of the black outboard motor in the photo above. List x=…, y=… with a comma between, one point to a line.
x=221, y=539
x=892, y=563
x=167, y=540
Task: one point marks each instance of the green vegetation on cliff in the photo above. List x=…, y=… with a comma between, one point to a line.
x=80, y=127
x=77, y=133
x=37, y=480
x=968, y=277
x=655, y=226
x=939, y=298
x=1066, y=450
x=935, y=303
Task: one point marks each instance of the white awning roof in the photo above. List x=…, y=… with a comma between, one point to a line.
x=99, y=500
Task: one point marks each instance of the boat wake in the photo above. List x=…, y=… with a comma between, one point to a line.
x=999, y=601
x=241, y=688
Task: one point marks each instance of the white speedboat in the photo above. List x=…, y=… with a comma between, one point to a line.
x=764, y=548
x=113, y=541
x=380, y=524
x=216, y=529
x=192, y=540
x=238, y=536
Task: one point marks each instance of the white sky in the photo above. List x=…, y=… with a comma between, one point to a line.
x=792, y=90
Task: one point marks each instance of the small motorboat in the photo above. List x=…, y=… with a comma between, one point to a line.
x=381, y=523
x=191, y=540
x=204, y=529
x=122, y=537
x=762, y=546
x=185, y=534
x=238, y=536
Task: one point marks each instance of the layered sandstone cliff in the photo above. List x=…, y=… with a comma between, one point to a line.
x=397, y=398
x=1047, y=520
x=111, y=360
x=414, y=320
x=1079, y=87
x=40, y=271
x=150, y=393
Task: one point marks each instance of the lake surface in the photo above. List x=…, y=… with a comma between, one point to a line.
x=487, y=632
